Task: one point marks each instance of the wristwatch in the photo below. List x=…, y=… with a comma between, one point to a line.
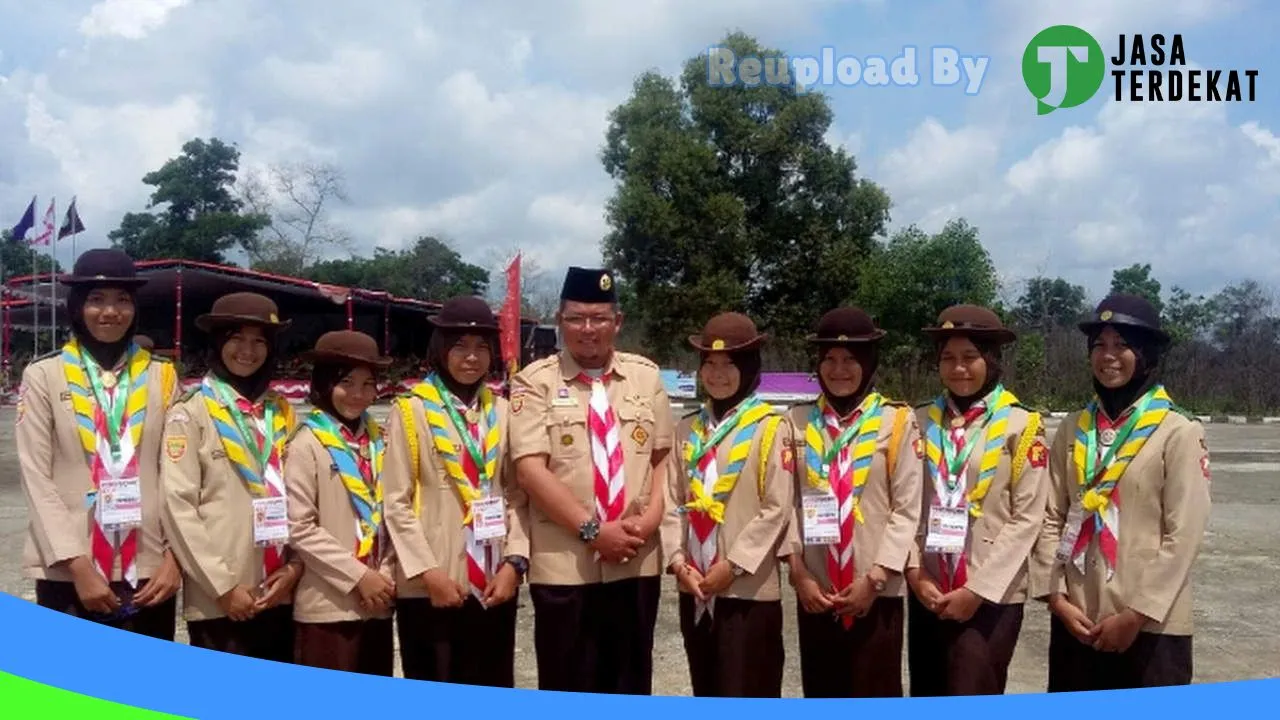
x=588, y=530
x=878, y=585
x=521, y=565
x=737, y=571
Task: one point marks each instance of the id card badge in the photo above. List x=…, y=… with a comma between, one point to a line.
x=119, y=503
x=948, y=530
x=821, y=519
x=1071, y=532
x=270, y=521
x=489, y=519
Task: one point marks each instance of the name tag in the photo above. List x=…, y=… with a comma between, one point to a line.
x=1070, y=532
x=270, y=521
x=489, y=519
x=119, y=503
x=948, y=530
x=821, y=519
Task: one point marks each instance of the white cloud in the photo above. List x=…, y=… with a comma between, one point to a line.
x=129, y=19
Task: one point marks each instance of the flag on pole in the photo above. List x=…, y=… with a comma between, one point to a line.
x=27, y=222
x=46, y=232
x=71, y=225
x=509, y=321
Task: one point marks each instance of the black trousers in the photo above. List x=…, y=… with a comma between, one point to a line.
x=159, y=621
x=864, y=660
x=737, y=651
x=358, y=646
x=268, y=636
x=1151, y=661
x=970, y=658
x=596, y=638
x=468, y=645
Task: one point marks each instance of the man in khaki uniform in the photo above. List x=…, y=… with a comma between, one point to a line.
x=590, y=430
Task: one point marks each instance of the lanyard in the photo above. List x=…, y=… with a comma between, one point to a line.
x=263, y=450
x=843, y=439
x=113, y=409
x=321, y=418
x=1091, y=441
x=464, y=430
x=956, y=461
x=722, y=430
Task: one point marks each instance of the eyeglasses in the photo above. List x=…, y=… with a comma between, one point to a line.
x=581, y=321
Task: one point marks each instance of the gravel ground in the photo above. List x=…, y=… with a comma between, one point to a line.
x=1237, y=576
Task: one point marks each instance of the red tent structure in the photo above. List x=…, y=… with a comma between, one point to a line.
x=181, y=290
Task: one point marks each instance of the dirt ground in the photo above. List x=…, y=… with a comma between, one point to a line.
x=1237, y=577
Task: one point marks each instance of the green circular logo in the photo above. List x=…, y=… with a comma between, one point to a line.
x=1063, y=67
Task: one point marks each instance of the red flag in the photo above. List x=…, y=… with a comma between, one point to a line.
x=509, y=319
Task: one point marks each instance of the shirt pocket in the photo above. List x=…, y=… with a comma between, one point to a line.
x=568, y=434
x=636, y=425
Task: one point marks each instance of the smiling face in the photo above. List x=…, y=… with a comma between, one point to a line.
x=720, y=376
x=469, y=359
x=1112, y=360
x=355, y=392
x=840, y=371
x=245, y=351
x=962, y=367
x=108, y=314
x=588, y=330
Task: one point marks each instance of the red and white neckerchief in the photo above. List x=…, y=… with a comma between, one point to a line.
x=953, y=571
x=1109, y=534
x=606, y=452
x=272, y=474
x=704, y=532
x=482, y=561
x=107, y=544
x=364, y=461
x=840, y=565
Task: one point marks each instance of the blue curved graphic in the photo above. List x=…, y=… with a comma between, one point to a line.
x=63, y=652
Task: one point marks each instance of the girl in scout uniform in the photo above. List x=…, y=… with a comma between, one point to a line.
x=985, y=486
x=729, y=500
x=858, y=508
x=343, y=603
x=226, y=503
x=1127, y=510
x=90, y=460
x=453, y=511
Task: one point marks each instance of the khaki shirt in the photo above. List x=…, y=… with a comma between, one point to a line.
x=437, y=538
x=549, y=418
x=56, y=478
x=208, y=511
x=1164, y=510
x=322, y=532
x=754, y=530
x=890, y=502
x=1001, y=540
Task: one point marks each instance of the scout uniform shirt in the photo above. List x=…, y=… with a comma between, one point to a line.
x=429, y=471
x=551, y=409
x=211, y=516
x=1002, y=486
x=57, y=406
x=335, y=517
x=1138, y=549
x=722, y=504
x=872, y=514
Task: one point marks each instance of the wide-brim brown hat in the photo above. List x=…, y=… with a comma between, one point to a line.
x=845, y=325
x=466, y=312
x=104, y=266
x=728, y=332
x=972, y=321
x=1126, y=310
x=346, y=347
x=243, y=308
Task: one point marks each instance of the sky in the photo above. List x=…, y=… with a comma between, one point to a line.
x=482, y=121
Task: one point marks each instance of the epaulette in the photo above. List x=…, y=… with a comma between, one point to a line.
x=691, y=413
x=46, y=356
x=637, y=359
x=1023, y=406
x=188, y=394
x=895, y=403
x=1184, y=412
x=161, y=359
x=294, y=432
x=539, y=364
x=923, y=405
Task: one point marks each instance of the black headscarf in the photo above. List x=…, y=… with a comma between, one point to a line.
x=748, y=363
x=325, y=376
x=867, y=355
x=252, y=387
x=442, y=340
x=103, y=353
x=1146, y=349
x=990, y=352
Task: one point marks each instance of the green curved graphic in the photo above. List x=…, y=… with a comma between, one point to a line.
x=38, y=700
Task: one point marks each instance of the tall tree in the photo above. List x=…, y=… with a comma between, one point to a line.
x=297, y=197
x=730, y=198
x=1187, y=318
x=1048, y=303
x=428, y=270
x=1136, y=280
x=200, y=219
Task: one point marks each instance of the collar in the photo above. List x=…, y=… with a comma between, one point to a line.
x=571, y=368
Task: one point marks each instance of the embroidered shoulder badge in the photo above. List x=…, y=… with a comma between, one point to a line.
x=640, y=436
x=175, y=446
x=517, y=404
x=788, y=459
x=1038, y=454
x=917, y=445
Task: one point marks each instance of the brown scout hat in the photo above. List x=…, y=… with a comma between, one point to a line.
x=466, y=312
x=845, y=325
x=104, y=266
x=1129, y=311
x=243, y=308
x=727, y=332
x=346, y=346
x=973, y=321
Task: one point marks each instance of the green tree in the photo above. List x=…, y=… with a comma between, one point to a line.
x=198, y=217
x=1185, y=317
x=1049, y=303
x=429, y=270
x=15, y=258
x=1136, y=280
x=730, y=198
